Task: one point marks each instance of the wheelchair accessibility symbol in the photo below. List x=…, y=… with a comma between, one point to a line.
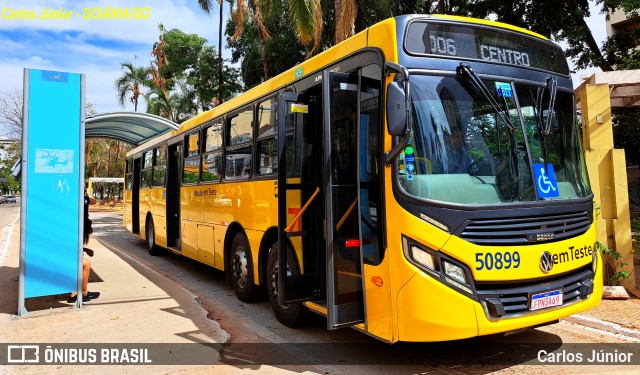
x=546, y=183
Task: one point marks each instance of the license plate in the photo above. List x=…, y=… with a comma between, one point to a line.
x=546, y=299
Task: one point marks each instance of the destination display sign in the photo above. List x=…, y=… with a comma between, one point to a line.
x=465, y=42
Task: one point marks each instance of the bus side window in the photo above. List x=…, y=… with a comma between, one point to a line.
x=160, y=166
x=267, y=150
x=239, y=139
x=212, y=153
x=191, y=170
x=129, y=174
x=147, y=169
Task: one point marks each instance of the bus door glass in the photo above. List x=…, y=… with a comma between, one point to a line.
x=135, y=197
x=174, y=176
x=345, y=302
x=300, y=197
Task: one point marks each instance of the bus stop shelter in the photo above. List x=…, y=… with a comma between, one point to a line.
x=130, y=127
x=606, y=165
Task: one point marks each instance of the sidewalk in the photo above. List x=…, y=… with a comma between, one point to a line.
x=136, y=305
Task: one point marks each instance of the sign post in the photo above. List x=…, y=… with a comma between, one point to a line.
x=51, y=224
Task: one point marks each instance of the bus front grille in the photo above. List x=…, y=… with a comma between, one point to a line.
x=526, y=230
x=515, y=299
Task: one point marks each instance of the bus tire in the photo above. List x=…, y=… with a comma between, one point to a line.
x=290, y=314
x=151, y=238
x=241, y=269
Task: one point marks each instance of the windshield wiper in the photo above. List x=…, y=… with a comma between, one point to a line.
x=552, y=86
x=465, y=69
x=544, y=127
x=503, y=112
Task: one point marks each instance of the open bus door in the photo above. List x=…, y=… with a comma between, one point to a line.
x=300, y=202
x=345, y=297
x=330, y=191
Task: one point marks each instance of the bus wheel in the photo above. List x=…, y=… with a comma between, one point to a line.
x=242, y=269
x=151, y=238
x=290, y=314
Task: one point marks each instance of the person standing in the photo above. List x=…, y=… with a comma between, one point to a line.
x=86, y=264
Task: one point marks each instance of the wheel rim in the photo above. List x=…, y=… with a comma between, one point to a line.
x=240, y=271
x=274, y=283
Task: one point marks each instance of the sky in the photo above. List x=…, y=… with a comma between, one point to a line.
x=97, y=47
x=92, y=46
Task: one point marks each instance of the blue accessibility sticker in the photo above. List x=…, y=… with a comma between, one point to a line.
x=504, y=89
x=545, y=178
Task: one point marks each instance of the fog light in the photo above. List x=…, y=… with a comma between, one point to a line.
x=454, y=275
x=454, y=272
x=422, y=257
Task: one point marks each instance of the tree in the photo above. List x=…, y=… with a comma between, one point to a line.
x=184, y=74
x=131, y=82
x=304, y=15
x=11, y=114
x=282, y=50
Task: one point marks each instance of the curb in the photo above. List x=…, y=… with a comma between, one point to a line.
x=602, y=325
x=5, y=236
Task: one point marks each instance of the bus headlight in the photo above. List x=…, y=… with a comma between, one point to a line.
x=422, y=257
x=455, y=275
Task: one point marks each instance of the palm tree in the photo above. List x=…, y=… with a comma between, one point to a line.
x=345, y=16
x=305, y=15
x=131, y=82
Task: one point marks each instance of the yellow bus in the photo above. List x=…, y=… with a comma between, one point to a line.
x=423, y=180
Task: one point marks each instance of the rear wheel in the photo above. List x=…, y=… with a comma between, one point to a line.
x=151, y=238
x=241, y=270
x=289, y=314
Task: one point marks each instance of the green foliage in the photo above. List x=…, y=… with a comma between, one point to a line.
x=615, y=258
x=626, y=132
x=283, y=51
x=183, y=54
x=130, y=83
x=189, y=71
x=612, y=257
x=635, y=233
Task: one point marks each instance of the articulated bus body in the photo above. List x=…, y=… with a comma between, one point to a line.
x=422, y=181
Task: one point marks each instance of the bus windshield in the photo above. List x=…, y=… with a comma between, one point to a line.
x=464, y=149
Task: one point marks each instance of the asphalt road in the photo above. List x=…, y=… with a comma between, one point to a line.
x=258, y=338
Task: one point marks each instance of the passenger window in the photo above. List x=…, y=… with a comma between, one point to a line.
x=239, y=145
x=160, y=167
x=147, y=169
x=212, y=156
x=267, y=162
x=191, y=170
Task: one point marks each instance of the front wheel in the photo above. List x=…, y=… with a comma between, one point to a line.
x=241, y=271
x=289, y=314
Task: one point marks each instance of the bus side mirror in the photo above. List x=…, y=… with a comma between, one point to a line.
x=396, y=109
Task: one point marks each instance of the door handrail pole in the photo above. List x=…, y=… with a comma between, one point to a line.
x=289, y=227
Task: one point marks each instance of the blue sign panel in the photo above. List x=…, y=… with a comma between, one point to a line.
x=546, y=183
x=504, y=89
x=52, y=189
